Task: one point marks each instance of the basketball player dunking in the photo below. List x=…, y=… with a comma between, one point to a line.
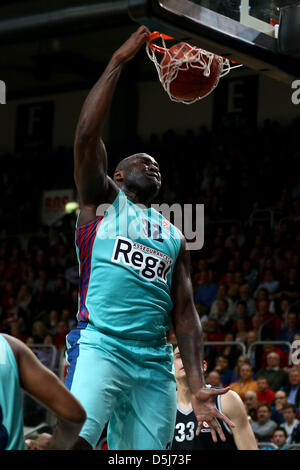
x=241, y=437
x=134, y=279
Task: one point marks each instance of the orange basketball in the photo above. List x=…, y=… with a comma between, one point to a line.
x=191, y=83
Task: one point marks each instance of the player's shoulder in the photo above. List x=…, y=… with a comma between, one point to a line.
x=16, y=345
x=12, y=342
x=231, y=403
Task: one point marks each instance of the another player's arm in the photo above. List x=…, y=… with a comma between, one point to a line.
x=90, y=158
x=234, y=408
x=188, y=332
x=45, y=387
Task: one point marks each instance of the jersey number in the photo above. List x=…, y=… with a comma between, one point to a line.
x=185, y=431
x=156, y=233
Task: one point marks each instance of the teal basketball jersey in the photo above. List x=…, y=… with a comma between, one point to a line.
x=126, y=260
x=11, y=414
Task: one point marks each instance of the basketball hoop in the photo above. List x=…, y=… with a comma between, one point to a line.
x=187, y=73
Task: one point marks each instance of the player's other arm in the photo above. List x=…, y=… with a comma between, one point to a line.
x=234, y=408
x=188, y=332
x=90, y=158
x=186, y=322
x=45, y=387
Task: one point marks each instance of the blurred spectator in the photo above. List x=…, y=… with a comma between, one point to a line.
x=213, y=331
x=283, y=310
x=250, y=276
x=280, y=400
x=245, y=296
x=236, y=236
x=271, y=321
x=210, y=352
x=245, y=382
x=293, y=388
x=24, y=297
x=47, y=355
x=295, y=437
x=222, y=367
x=72, y=275
x=289, y=288
x=40, y=299
x=256, y=324
x=264, y=426
x=39, y=332
x=241, y=330
x=288, y=333
x=221, y=294
x=12, y=311
x=60, y=336
x=231, y=352
x=263, y=294
x=66, y=316
x=251, y=404
x=277, y=377
x=214, y=379
x=17, y=331
x=279, y=439
x=264, y=393
x=290, y=421
x=268, y=283
x=222, y=315
x=206, y=292
x=240, y=310
x=267, y=348
x=255, y=351
x=242, y=359
x=53, y=322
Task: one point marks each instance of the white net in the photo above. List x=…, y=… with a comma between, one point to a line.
x=183, y=58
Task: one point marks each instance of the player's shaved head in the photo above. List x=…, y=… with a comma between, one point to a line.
x=123, y=163
x=139, y=175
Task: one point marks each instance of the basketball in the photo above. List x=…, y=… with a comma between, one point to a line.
x=190, y=82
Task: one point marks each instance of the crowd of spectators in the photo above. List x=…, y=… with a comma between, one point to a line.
x=245, y=278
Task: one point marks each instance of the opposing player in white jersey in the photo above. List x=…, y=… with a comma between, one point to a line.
x=186, y=436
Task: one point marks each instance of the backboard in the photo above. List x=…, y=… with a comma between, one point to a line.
x=242, y=30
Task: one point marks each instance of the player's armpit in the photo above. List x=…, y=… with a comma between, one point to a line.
x=234, y=408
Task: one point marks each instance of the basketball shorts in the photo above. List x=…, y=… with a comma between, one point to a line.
x=127, y=383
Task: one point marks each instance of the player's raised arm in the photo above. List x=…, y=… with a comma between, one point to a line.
x=188, y=332
x=90, y=159
x=243, y=434
x=45, y=387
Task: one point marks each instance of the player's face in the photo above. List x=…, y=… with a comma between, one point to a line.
x=178, y=365
x=142, y=176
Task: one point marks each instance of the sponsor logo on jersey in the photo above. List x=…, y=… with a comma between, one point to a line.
x=150, y=263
